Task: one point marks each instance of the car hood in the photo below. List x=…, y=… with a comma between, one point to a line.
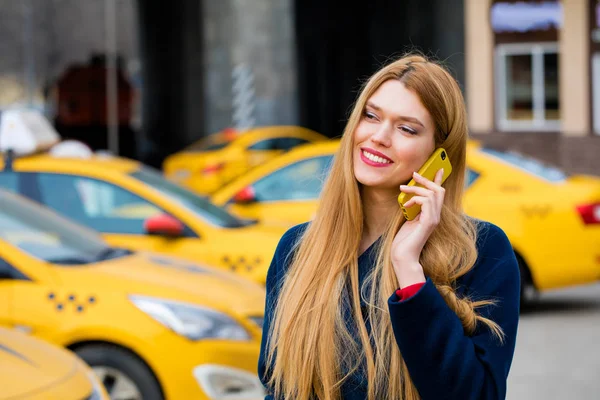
x=150, y=274
x=29, y=365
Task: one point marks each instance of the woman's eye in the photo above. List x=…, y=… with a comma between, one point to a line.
x=408, y=129
x=369, y=115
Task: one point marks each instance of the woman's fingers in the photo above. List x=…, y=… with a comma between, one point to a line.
x=417, y=190
x=429, y=210
x=435, y=185
x=421, y=200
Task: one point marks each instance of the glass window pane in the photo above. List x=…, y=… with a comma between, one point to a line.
x=529, y=164
x=287, y=143
x=45, y=235
x=519, y=87
x=551, y=94
x=300, y=181
x=199, y=205
x=267, y=144
x=96, y=204
x=471, y=177
x=9, y=181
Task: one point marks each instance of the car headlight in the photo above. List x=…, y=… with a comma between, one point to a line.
x=191, y=321
x=224, y=383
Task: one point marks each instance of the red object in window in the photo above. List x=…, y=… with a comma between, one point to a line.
x=163, y=225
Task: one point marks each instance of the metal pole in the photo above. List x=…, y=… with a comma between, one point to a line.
x=29, y=48
x=111, y=77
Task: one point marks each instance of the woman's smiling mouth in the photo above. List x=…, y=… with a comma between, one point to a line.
x=374, y=158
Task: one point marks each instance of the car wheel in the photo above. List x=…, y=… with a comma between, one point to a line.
x=528, y=290
x=123, y=374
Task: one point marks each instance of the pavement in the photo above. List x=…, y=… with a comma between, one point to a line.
x=558, y=347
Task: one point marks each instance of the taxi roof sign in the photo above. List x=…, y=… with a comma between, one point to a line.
x=26, y=132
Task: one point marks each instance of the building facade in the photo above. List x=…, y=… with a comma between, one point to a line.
x=533, y=78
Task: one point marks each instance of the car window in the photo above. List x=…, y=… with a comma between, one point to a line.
x=7, y=271
x=288, y=143
x=5, y=268
x=280, y=143
x=100, y=205
x=267, y=144
x=45, y=235
x=302, y=180
x=9, y=181
x=528, y=164
x=471, y=177
x=200, y=206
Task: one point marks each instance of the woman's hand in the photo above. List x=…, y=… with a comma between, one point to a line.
x=412, y=236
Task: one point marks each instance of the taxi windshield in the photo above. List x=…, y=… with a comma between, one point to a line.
x=48, y=236
x=201, y=206
x=528, y=164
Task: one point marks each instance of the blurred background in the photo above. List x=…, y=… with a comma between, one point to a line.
x=157, y=82
x=529, y=69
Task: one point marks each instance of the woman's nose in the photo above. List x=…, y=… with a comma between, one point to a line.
x=382, y=135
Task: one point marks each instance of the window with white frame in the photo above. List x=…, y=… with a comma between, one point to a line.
x=527, y=94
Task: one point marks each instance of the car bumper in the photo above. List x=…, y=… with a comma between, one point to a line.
x=209, y=370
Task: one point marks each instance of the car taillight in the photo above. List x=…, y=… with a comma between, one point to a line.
x=211, y=169
x=590, y=213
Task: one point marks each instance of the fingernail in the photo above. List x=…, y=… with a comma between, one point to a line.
x=442, y=171
x=416, y=173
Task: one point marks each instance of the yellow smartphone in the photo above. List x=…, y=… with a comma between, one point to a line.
x=438, y=160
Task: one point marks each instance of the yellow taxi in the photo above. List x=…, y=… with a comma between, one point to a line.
x=213, y=161
x=151, y=327
x=36, y=370
x=552, y=219
x=133, y=206
x=282, y=191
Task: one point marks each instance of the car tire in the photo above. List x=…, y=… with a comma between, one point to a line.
x=114, y=358
x=528, y=291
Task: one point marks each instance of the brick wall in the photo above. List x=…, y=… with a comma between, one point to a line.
x=577, y=155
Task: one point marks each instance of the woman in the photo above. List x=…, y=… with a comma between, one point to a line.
x=363, y=304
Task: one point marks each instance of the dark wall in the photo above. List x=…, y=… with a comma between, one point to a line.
x=339, y=45
x=170, y=53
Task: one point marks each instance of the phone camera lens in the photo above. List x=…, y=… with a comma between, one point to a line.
x=443, y=155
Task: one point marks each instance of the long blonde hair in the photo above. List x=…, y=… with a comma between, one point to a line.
x=311, y=349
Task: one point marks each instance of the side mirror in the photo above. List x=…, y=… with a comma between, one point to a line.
x=163, y=225
x=245, y=196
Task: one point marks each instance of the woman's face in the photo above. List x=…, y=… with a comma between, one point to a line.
x=394, y=138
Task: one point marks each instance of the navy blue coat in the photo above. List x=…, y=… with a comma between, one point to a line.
x=443, y=361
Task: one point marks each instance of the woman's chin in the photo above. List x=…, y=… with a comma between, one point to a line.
x=375, y=182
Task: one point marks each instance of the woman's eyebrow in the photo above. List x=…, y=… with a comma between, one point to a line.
x=411, y=119
x=402, y=117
